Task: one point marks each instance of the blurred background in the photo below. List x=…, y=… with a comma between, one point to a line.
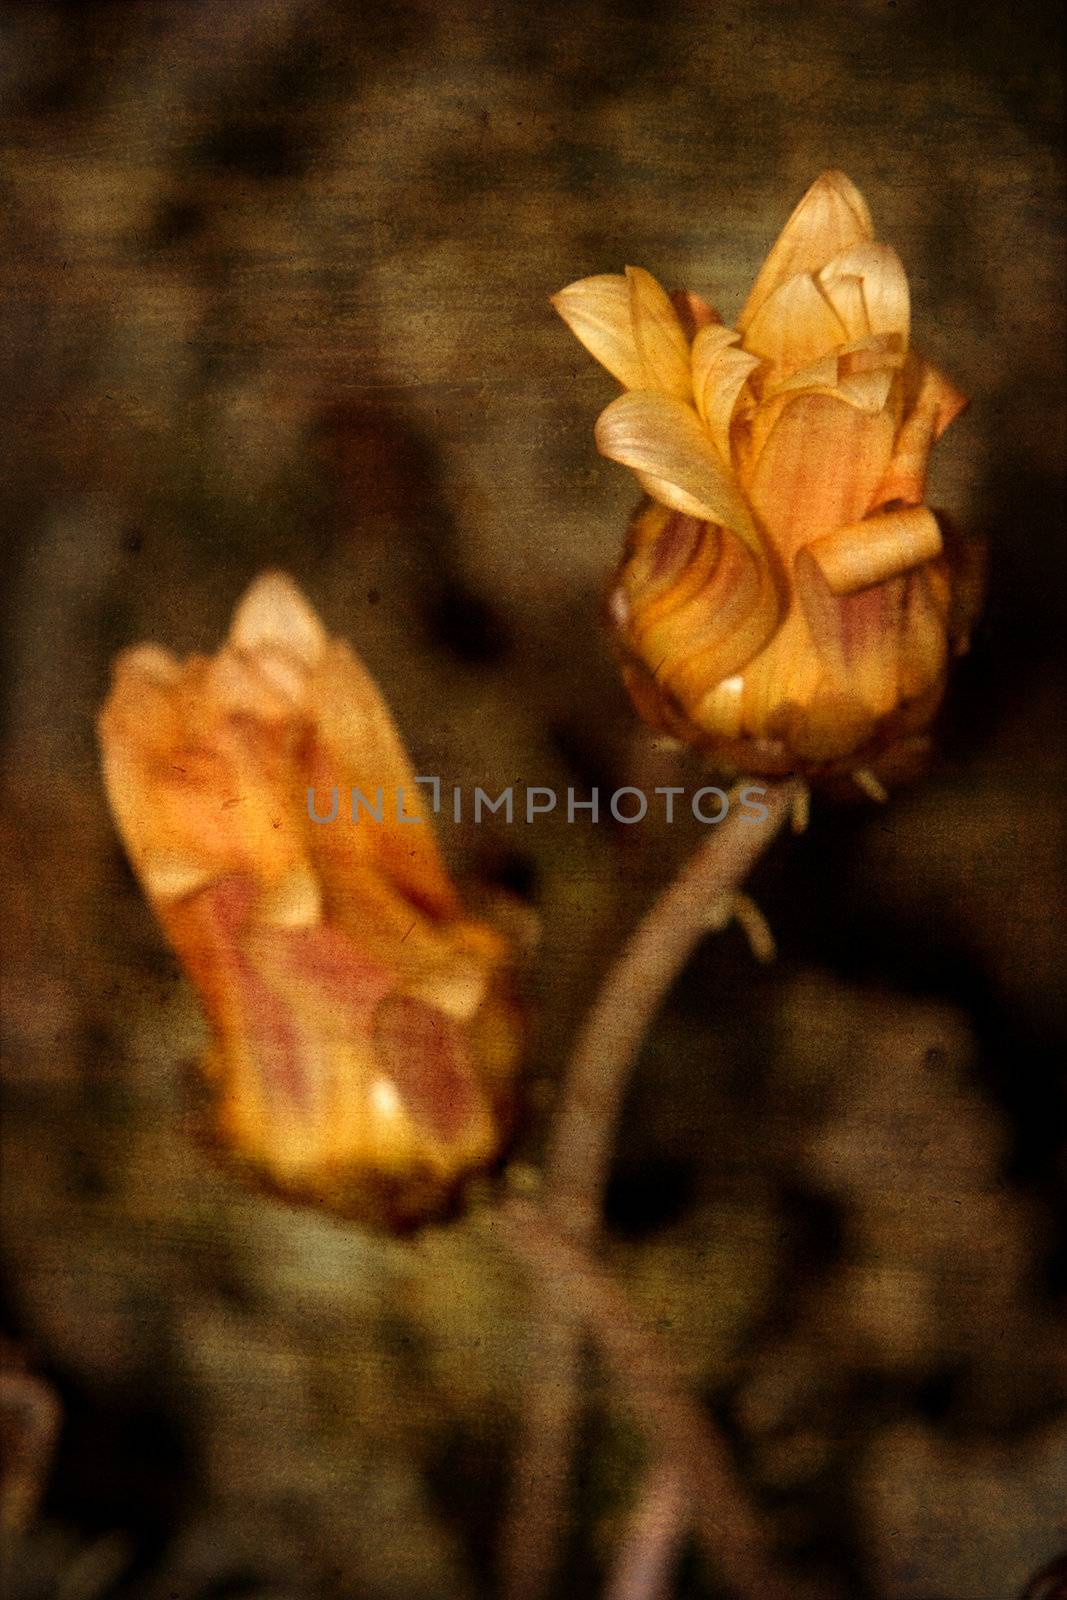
x=275, y=283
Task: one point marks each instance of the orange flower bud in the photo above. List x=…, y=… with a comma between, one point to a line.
x=364, y=1031
x=787, y=602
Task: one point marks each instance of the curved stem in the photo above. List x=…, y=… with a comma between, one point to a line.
x=649, y=1551
x=700, y=899
x=677, y=1425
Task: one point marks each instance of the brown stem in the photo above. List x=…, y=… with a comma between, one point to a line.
x=678, y=1427
x=649, y=1550
x=701, y=898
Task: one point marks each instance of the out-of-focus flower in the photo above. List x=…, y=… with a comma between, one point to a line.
x=364, y=1031
x=787, y=602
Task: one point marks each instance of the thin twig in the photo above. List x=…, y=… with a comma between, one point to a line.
x=702, y=897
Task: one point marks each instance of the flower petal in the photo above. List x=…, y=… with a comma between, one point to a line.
x=356, y=745
x=713, y=634
x=795, y=325
x=274, y=616
x=817, y=469
x=831, y=217
x=864, y=553
x=719, y=374
x=671, y=496
x=862, y=382
x=597, y=311
x=934, y=404
x=663, y=438
x=196, y=793
x=693, y=311
x=699, y=603
x=884, y=295
x=658, y=335
x=867, y=391
x=857, y=636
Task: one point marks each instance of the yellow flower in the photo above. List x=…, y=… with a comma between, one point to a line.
x=787, y=602
x=364, y=1031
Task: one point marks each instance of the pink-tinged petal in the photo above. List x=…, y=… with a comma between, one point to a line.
x=294, y=932
x=880, y=547
x=720, y=372
x=795, y=325
x=831, y=218
x=664, y=439
x=933, y=405
x=924, y=641
x=818, y=469
x=856, y=637
x=598, y=312
x=424, y=1056
x=871, y=623
x=886, y=301
x=695, y=634
x=694, y=312
x=195, y=793
x=658, y=335
x=258, y=1064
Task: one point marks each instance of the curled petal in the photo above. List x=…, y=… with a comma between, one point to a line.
x=795, y=325
x=598, y=312
x=880, y=547
x=719, y=374
x=867, y=391
x=669, y=494
x=820, y=375
x=831, y=218
x=870, y=354
x=883, y=305
x=663, y=439
x=699, y=603
x=658, y=335
x=934, y=404
x=709, y=341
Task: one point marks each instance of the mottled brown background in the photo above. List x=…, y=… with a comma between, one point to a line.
x=274, y=285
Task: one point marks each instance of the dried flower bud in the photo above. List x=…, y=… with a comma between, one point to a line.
x=365, y=1037
x=787, y=602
